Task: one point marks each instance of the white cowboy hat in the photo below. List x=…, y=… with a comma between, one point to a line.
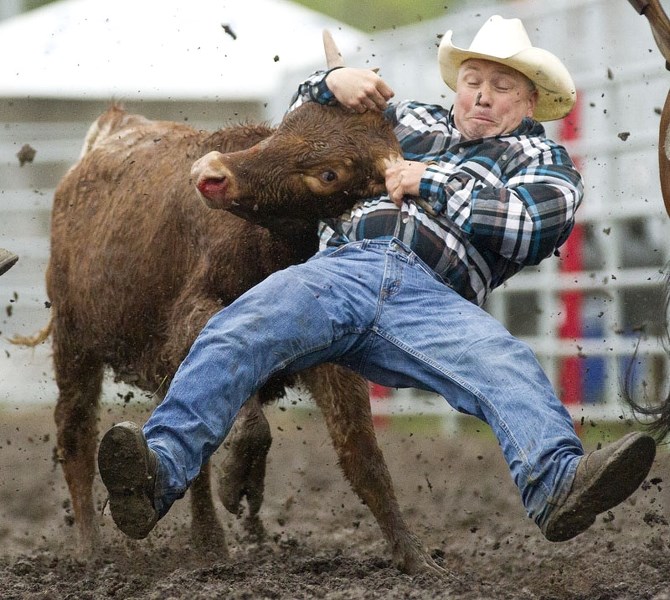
x=505, y=41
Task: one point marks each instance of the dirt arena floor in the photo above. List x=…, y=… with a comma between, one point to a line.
x=321, y=541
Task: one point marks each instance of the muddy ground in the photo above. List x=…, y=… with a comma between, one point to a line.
x=322, y=542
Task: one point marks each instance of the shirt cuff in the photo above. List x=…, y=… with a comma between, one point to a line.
x=319, y=90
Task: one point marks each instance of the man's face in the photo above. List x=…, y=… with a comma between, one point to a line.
x=491, y=99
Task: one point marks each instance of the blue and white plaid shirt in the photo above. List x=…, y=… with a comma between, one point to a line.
x=500, y=203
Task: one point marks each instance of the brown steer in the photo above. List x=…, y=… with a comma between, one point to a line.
x=138, y=264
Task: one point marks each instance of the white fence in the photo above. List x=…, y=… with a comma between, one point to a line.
x=583, y=324
x=26, y=195
x=617, y=290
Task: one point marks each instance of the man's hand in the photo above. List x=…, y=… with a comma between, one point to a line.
x=359, y=89
x=403, y=178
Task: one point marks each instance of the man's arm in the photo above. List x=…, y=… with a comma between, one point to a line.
x=357, y=89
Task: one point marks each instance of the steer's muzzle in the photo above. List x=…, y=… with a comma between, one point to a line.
x=214, y=181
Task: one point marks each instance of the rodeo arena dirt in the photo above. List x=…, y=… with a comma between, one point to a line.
x=319, y=541
x=316, y=538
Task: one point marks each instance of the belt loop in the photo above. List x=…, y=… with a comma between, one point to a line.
x=399, y=247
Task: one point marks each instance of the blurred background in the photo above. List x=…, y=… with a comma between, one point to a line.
x=212, y=63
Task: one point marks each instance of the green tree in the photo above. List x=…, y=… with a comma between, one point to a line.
x=375, y=15
x=370, y=15
x=31, y=4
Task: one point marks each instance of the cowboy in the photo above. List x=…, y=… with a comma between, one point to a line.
x=7, y=260
x=395, y=293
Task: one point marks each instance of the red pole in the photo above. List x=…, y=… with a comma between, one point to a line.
x=570, y=375
x=378, y=394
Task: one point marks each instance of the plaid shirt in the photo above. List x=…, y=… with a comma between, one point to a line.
x=494, y=204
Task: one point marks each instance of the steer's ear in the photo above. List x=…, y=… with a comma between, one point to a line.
x=333, y=55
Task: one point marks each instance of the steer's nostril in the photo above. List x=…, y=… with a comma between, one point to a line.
x=212, y=186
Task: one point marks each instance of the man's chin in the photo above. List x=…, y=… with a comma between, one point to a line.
x=482, y=129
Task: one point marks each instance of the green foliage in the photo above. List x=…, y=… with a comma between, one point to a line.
x=375, y=15
x=370, y=15
x=31, y=4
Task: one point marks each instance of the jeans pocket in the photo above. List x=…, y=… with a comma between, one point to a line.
x=426, y=269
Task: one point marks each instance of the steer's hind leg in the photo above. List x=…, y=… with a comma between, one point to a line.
x=79, y=380
x=243, y=467
x=344, y=399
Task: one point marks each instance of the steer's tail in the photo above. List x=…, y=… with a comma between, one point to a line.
x=655, y=415
x=34, y=340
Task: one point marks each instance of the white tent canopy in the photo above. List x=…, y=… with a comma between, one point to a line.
x=170, y=49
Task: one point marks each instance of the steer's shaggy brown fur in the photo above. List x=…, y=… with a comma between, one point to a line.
x=138, y=264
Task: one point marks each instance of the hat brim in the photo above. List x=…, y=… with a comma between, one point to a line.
x=556, y=90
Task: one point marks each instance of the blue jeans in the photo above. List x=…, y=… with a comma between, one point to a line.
x=376, y=308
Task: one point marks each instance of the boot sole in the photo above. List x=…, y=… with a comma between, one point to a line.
x=617, y=479
x=123, y=462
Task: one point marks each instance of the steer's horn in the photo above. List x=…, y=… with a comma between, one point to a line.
x=333, y=56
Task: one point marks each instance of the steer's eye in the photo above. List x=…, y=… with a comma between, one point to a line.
x=328, y=176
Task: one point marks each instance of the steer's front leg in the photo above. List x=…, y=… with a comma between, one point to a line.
x=344, y=399
x=206, y=531
x=243, y=467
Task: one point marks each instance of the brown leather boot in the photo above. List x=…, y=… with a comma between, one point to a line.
x=604, y=478
x=7, y=260
x=128, y=469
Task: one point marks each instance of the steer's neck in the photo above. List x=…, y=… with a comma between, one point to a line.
x=294, y=240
